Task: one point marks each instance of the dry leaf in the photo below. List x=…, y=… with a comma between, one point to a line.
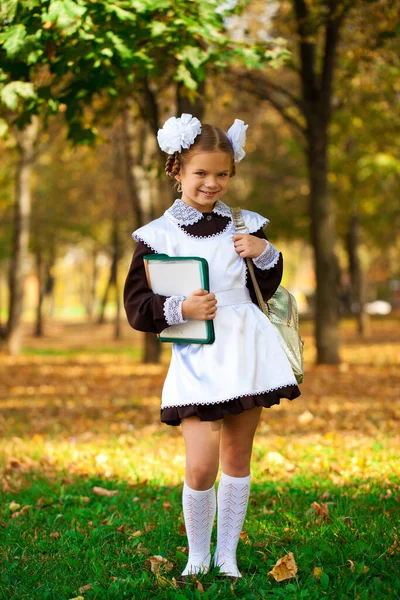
x=167, y=505
x=13, y=506
x=157, y=561
x=88, y=586
x=135, y=534
x=199, y=586
x=285, y=568
x=184, y=549
x=182, y=529
x=55, y=535
x=103, y=492
x=395, y=547
x=352, y=567
x=78, y=598
x=23, y=510
x=140, y=549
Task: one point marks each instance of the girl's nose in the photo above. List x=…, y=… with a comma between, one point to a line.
x=211, y=183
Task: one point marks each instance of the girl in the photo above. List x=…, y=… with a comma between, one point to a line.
x=215, y=391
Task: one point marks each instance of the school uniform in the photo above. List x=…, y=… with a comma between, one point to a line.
x=246, y=366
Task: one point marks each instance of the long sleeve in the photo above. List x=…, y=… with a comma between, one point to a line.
x=268, y=269
x=145, y=310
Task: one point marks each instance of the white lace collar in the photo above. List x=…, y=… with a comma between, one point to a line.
x=184, y=214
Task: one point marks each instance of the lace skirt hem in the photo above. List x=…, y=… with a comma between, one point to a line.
x=173, y=415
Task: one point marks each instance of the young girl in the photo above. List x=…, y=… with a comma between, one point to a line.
x=216, y=391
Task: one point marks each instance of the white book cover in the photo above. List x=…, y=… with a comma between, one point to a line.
x=179, y=277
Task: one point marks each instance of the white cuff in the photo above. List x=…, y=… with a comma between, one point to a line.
x=173, y=310
x=268, y=258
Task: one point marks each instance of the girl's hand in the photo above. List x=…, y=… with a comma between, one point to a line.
x=249, y=245
x=200, y=305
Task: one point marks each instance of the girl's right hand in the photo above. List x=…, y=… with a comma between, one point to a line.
x=200, y=305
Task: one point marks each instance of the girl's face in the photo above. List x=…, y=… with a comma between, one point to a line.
x=205, y=179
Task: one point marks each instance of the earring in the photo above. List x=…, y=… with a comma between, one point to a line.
x=179, y=187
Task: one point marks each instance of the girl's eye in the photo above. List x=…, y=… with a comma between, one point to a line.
x=202, y=173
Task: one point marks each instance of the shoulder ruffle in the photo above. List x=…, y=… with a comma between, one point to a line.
x=253, y=220
x=153, y=235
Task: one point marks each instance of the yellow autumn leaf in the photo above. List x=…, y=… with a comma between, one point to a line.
x=285, y=568
x=14, y=506
x=317, y=572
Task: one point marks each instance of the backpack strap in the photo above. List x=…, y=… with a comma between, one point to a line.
x=240, y=227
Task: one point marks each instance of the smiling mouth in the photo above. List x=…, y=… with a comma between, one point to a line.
x=208, y=193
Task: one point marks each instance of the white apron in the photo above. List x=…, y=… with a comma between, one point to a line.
x=246, y=357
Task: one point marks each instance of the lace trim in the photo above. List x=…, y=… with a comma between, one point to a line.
x=222, y=209
x=184, y=214
x=293, y=382
x=197, y=237
x=268, y=258
x=173, y=310
x=138, y=238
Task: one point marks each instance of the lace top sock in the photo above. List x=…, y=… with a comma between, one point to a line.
x=233, y=497
x=199, y=512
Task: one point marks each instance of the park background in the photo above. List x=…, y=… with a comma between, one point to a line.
x=90, y=480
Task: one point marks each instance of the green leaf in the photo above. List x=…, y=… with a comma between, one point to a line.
x=324, y=580
x=8, y=10
x=66, y=13
x=158, y=28
x=122, y=14
x=3, y=128
x=119, y=45
x=183, y=74
x=194, y=56
x=10, y=93
x=13, y=39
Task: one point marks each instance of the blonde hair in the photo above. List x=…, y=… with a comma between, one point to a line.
x=211, y=139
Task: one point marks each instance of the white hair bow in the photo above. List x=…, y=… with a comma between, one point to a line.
x=178, y=133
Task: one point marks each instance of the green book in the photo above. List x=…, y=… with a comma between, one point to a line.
x=179, y=276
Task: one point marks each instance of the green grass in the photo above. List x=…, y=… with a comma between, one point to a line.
x=92, y=542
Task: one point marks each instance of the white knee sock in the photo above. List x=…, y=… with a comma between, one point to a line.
x=199, y=512
x=233, y=497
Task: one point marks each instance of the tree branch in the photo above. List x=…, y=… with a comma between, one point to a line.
x=259, y=87
x=335, y=19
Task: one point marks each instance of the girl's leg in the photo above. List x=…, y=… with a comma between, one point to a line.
x=202, y=439
x=234, y=488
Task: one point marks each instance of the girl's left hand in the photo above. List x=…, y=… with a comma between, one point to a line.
x=249, y=245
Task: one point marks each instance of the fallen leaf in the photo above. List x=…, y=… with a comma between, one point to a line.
x=352, y=567
x=157, y=561
x=103, y=492
x=88, y=586
x=285, y=568
x=167, y=505
x=135, y=534
x=13, y=506
x=182, y=529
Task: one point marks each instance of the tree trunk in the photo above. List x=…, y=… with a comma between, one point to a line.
x=357, y=279
x=317, y=86
x=93, y=286
x=26, y=140
x=323, y=240
x=142, y=206
x=39, y=306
